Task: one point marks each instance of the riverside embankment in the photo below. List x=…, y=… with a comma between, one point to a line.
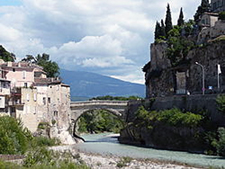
x=104, y=151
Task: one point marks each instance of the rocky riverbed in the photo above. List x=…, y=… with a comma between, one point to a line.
x=96, y=161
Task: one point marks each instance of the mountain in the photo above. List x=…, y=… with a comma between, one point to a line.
x=86, y=84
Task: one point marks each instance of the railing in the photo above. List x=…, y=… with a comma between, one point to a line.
x=99, y=102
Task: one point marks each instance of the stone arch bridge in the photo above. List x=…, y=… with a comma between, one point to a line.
x=118, y=108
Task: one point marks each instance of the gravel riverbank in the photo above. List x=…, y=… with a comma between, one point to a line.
x=96, y=161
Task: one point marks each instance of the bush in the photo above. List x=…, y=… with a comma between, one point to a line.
x=220, y=144
x=220, y=101
x=44, y=141
x=14, y=139
x=173, y=117
x=43, y=125
x=222, y=16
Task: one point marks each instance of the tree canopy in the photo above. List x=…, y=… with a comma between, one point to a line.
x=180, y=20
x=168, y=21
x=204, y=7
x=50, y=67
x=6, y=56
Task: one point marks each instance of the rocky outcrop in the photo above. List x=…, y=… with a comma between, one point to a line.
x=162, y=79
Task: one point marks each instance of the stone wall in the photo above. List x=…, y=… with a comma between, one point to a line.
x=191, y=103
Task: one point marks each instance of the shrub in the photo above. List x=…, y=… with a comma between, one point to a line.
x=43, y=125
x=14, y=138
x=44, y=141
x=220, y=144
x=222, y=16
x=220, y=101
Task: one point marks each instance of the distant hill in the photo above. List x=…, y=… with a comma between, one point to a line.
x=88, y=85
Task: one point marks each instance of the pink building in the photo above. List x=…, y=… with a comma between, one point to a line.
x=21, y=74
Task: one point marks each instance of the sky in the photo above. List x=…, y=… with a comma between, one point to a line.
x=108, y=37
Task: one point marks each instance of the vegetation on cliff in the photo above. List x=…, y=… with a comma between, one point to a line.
x=176, y=130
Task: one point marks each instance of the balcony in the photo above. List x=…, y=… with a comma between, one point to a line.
x=15, y=103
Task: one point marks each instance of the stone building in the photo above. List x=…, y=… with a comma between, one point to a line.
x=217, y=5
x=163, y=79
x=26, y=93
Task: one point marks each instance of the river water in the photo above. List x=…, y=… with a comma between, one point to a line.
x=107, y=144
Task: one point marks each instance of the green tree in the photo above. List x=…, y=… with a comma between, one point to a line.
x=6, y=56
x=162, y=30
x=180, y=20
x=222, y=16
x=157, y=30
x=99, y=121
x=204, y=7
x=168, y=21
x=178, y=46
x=14, y=138
x=50, y=67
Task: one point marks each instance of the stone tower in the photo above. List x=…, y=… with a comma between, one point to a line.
x=217, y=5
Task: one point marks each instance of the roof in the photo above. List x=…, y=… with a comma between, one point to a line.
x=46, y=81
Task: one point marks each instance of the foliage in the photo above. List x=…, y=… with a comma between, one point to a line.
x=222, y=15
x=168, y=21
x=120, y=98
x=220, y=101
x=124, y=162
x=172, y=117
x=43, y=125
x=99, y=121
x=6, y=56
x=204, y=7
x=178, y=46
x=44, y=141
x=180, y=20
x=157, y=30
x=160, y=31
x=64, y=164
x=220, y=144
x=14, y=138
x=42, y=158
x=50, y=67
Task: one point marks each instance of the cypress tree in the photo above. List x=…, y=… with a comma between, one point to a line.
x=168, y=21
x=162, y=29
x=204, y=7
x=157, y=30
x=180, y=20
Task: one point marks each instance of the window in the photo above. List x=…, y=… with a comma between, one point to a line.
x=49, y=100
x=56, y=113
x=24, y=74
x=25, y=85
x=28, y=97
x=44, y=100
x=35, y=97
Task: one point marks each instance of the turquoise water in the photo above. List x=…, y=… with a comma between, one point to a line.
x=106, y=145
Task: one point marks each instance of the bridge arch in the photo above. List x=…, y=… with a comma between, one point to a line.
x=117, y=108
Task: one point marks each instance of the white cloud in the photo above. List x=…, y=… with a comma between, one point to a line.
x=107, y=37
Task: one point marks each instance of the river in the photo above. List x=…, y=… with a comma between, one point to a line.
x=107, y=144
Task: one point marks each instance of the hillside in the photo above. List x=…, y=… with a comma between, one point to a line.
x=86, y=84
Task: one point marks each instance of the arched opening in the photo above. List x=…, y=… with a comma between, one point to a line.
x=98, y=121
